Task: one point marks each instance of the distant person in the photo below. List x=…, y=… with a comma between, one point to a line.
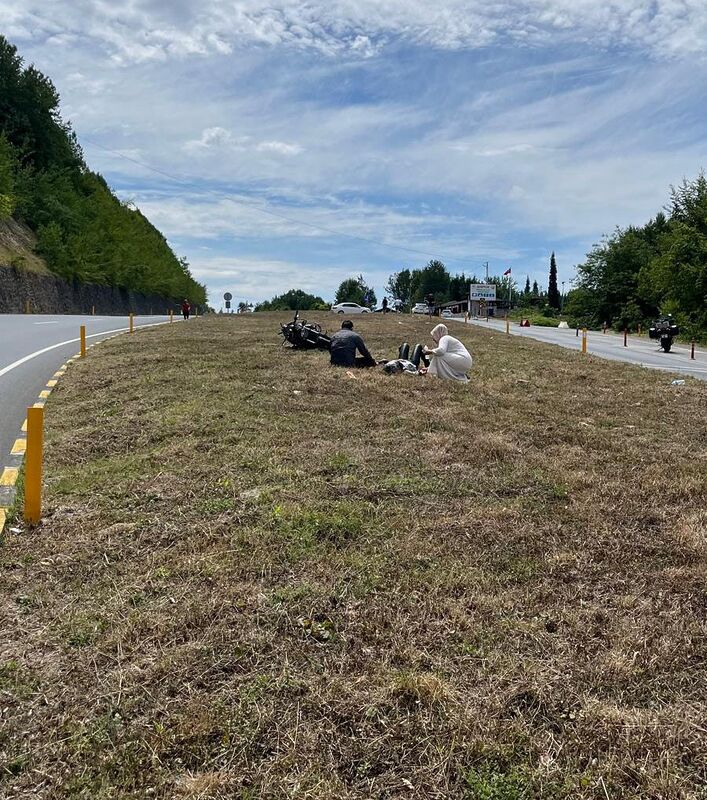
x=344, y=344
x=385, y=305
x=450, y=359
x=186, y=308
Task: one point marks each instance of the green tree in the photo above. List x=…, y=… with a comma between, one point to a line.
x=433, y=280
x=399, y=286
x=356, y=290
x=293, y=300
x=553, y=295
x=526, y=291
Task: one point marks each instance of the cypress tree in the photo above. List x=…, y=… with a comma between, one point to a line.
x=553, y=295
x=536, y=290
x=526, y=291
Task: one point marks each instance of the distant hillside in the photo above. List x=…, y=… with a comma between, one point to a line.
x=57, y=215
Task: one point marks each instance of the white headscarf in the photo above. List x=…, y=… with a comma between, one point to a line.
x=439, y=331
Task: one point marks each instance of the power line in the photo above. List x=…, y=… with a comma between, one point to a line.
x=190, y=184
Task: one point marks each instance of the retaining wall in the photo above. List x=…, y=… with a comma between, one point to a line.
x=49, y=294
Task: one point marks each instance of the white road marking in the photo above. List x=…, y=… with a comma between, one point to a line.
x=24, y=360
x=54, y=322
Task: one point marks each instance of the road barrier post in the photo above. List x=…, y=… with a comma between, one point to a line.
x=625, y=338
x=171, y=315
x=33, y=465
x=692, y=350
x=576, y=333
x=584, y=340
x=27, y=307
x=508, y=326
x=639, y=328
x=131, y=322
x=83, y=341
x=93, y=311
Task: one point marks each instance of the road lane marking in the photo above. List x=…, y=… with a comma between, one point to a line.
x=24, y=427
x=51, y=347
x=51, y=384
x=9, y=477
x=19, y=447
x=54, y=322
x=45, y=393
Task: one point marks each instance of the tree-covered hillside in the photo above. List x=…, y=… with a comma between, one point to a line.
x=659, y=268
x=84, y=232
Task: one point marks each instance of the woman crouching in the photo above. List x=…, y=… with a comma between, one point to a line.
x=450, y=359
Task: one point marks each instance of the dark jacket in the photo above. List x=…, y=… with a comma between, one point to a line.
x=344, y=344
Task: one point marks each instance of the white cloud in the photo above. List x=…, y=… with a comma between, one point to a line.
x=466, y=129
x=217, y=139
x=144, y=30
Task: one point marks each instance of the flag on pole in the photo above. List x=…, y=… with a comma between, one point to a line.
x=507, y=272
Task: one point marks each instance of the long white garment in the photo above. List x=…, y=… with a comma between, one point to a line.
x=450, y=359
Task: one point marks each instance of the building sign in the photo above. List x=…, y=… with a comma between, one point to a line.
x=482, y=291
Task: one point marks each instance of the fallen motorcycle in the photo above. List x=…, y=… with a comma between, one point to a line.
x=306, y=335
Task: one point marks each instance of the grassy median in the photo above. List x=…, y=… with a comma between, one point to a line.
x=259, y=577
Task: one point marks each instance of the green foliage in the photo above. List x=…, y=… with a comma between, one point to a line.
x=293, y=300
x=84, y=232
x=433, y=280
x=399, y=286
x=7, y=177
x=355, y=290
x=640, y=272
x=490, y=783
x=553, y=294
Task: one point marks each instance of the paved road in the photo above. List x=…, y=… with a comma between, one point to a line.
x=641, y=350
x=32, y=348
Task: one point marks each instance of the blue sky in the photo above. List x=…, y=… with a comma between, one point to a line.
x=316, y=141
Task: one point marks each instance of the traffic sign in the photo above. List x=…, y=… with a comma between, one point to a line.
x=228, y=304
x=228, y=296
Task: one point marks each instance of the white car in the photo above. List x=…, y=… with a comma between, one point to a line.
x=446, y=313
x=420, y=308
x=350, y=308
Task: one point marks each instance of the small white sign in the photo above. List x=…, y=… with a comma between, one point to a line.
x=482, y=291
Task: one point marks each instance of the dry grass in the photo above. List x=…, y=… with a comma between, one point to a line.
x=260, y=578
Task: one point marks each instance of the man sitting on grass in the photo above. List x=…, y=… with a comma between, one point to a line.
x=344, y=344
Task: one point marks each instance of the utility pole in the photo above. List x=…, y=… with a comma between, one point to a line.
x=562, y=297
x=486, y=264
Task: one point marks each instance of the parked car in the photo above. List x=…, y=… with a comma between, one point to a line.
x=420, y=308
x=446, y=313
x=350, y=308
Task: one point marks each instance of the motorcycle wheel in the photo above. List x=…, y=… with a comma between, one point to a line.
x=404, y=350
x=666, y=346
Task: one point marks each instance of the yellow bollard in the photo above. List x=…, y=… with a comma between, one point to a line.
x=131, y=322
x=33, y=465
x=584, y=340
x=83, y=341
x=27, y=307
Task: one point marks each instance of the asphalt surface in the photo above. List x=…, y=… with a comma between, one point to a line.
x=25, y=337
x=641, y=351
